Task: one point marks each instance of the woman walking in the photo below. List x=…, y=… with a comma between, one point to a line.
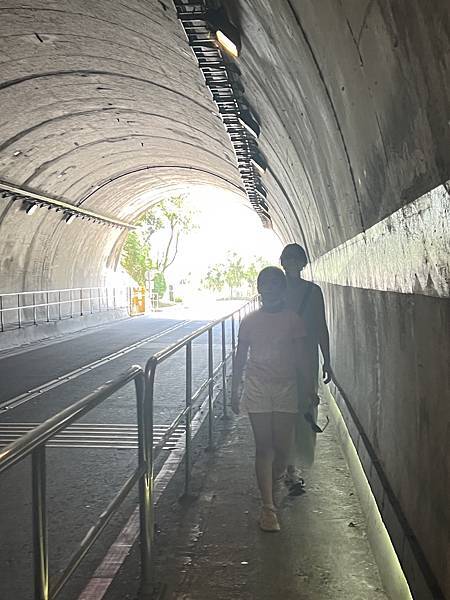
x=275, y=336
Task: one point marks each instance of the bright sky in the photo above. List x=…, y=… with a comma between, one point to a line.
x=225, y=224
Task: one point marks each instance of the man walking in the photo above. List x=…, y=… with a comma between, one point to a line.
x=306, y=299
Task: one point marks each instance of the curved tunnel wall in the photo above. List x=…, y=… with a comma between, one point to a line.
x=103, y=105
x=353, y=99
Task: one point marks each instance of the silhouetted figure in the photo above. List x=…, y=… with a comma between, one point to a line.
x=275, y=337
x=306, y=299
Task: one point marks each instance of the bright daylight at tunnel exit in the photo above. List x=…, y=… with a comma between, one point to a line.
x=224, y=300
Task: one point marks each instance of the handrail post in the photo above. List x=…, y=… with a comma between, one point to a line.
x=2, y=325
x=81, y=302
x=40, y=535
x=210, y=389
x=144, y=397
x=48, y=307
x=233, y=340
x=59, y=306
x=224, y=371
x=18, y=311
x=187, y=457
x=34, y=308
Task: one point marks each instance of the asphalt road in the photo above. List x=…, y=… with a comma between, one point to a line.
x=36, y=384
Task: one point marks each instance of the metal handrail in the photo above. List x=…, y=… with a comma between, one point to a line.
x=22, y=447
x=170, y=350
x=75, y=289
x=74, y=300
x=34, y=442
x=186, y=413
x=107, y=298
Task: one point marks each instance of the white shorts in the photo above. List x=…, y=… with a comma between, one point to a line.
x=276, y=396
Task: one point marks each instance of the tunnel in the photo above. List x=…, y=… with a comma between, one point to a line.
x=334, y=128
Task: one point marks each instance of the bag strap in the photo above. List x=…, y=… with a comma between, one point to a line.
x=305, y=299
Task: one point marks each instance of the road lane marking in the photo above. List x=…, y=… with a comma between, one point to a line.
x=121, y=547
x=54, y=383
x=87, y=435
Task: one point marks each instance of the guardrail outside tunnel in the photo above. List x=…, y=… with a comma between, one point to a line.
x=19, y=309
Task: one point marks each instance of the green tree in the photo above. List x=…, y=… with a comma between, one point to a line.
x=214, y=279
x=234, y=271
x=252, y=270
x=173, y=215
x=159, y=284
x=136, y=257
x=250, y=276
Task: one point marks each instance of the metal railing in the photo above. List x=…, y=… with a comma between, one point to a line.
x=190, y=401
x=34, y=443
x=20, y=309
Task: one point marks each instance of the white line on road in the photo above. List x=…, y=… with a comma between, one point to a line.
x=54, y=383
x=118, y=552
x=91, y=435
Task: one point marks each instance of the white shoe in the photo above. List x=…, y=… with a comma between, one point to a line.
x=268, y=520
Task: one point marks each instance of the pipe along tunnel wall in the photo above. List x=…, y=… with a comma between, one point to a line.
x=103, y=106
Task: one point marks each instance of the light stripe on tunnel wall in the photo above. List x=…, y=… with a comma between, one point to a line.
x=406, y=252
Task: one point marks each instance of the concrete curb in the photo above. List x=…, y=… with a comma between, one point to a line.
x=43, y=331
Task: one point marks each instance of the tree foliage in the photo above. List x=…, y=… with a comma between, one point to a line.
x=138, y=255
x=233, y=273
x=159, y=284
x=214, y=279
x=176, y=218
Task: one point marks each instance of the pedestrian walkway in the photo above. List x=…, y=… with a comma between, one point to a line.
x=211, y=548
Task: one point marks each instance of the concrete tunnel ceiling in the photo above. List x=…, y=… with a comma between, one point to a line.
x=103, y=106
x=109, y=97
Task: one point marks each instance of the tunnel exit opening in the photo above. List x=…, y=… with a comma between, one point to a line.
x=196, y=245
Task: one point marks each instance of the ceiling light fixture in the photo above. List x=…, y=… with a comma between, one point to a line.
x=30, y=207
x=259, y=162
x=260, y=189
x=250, y=124
x=69, y=218
x=228, y=36
x=264, y=204
x=31, y=201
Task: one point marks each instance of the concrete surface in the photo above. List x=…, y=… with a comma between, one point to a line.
x=81, y=481
x=210, y=547
x=103, y=105
x=30, y=334
x=400, y=394
x=386, y=558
